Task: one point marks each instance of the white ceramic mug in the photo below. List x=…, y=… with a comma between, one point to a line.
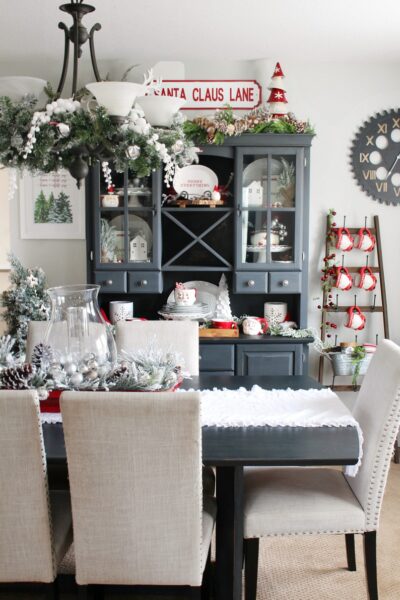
x=185, y=296
x=120, y=311
x=275, y=311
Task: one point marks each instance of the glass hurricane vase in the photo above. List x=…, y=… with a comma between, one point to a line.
x=80, y=341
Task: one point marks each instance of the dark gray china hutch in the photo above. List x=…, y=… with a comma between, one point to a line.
x=138, y=249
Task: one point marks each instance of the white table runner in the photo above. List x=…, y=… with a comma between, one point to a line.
x=275, y=408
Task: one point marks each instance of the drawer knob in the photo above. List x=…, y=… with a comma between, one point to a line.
x=108, y=282
x=285, y=283
x=251, y=283
x=143, y=283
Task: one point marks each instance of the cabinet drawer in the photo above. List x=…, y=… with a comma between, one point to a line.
x=277, y=359
x=111, y=281
x=248, y=282
x=145, y=282
x=281, y=282
x=218, y=357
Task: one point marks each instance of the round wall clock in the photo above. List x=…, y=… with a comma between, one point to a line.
x=375, y=157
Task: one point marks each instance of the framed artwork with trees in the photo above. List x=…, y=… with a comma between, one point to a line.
x=51, y=207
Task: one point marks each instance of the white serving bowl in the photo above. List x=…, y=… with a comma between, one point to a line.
x=160, y=110
x=117, y=97
x=16, y=87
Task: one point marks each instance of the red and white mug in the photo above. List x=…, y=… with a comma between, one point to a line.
x=355, y=318
x=344, y=280
x=367, y=280
x=255, y=325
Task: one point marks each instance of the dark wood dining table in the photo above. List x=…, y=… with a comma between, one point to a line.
x=230, y=449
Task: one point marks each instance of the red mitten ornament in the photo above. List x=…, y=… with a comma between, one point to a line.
x=355, y=318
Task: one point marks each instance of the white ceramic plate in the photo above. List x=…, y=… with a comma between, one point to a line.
x=273, y=248
x=136, y=225
x=195, y=179
x=184, y=317
x=206, y=292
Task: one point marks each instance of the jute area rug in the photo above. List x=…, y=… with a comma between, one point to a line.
x=314, y=568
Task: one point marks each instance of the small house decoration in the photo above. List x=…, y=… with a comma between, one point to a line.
x=254, y=193
x=138, y=249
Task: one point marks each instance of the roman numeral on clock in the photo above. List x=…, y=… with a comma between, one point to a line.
x=396, y=122
x=381, y=187
x=382, y=127
x=397, y=192
x=370, y=140
x=364, y=157
x=369, y=175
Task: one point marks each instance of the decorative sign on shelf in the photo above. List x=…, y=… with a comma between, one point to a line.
x=210, y=94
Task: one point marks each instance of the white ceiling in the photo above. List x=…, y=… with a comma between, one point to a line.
x=152, y=30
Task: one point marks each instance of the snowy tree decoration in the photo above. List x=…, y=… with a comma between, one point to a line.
x=277, y=100
x=223, y=307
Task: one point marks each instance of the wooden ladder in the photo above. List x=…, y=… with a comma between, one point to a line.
x=326, y=310
x=368, y=309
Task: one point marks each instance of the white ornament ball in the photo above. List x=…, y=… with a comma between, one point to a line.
x=133, y=152
x=178, y=147
x=70, y=368
x=76, y=379
x=92, y=375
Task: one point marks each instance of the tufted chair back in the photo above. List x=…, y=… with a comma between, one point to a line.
x=26, y=549
x=134, y=462
x=179, y=336
x=378, y=412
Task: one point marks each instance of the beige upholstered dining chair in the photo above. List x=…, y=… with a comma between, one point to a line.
x=35, y=525
x=36, y=334
x=134, y=462
x=180, y=336
x=301, y=501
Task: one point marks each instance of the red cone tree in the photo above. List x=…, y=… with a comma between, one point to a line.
x=277, y=100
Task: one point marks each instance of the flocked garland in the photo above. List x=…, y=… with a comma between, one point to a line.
x=213, y=130
x=53, y=138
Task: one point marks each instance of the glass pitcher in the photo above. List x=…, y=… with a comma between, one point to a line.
x=81, y=342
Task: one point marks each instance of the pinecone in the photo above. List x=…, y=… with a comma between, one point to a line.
x=42, y=357
x=117, y=374
x=17, y=378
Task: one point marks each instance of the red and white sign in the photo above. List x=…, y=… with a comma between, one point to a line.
x=210, y=94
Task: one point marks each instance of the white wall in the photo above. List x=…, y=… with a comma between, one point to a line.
x=337, y=98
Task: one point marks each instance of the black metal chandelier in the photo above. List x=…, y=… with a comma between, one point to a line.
x=77, y=35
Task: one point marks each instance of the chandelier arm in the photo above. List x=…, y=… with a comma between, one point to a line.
x=77, y=53
x=66, y=59
x=95, y=27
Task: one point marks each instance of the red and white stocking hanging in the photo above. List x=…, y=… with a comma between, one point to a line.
x=277, y=100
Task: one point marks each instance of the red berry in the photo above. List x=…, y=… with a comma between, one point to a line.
x=329, y=295
x=328, y=335
x=333, y=224
x=334, y=213
x=334, y=325
x=319, y=306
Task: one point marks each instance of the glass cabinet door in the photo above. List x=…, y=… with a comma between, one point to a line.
x=128, y=222
x=268, y=208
